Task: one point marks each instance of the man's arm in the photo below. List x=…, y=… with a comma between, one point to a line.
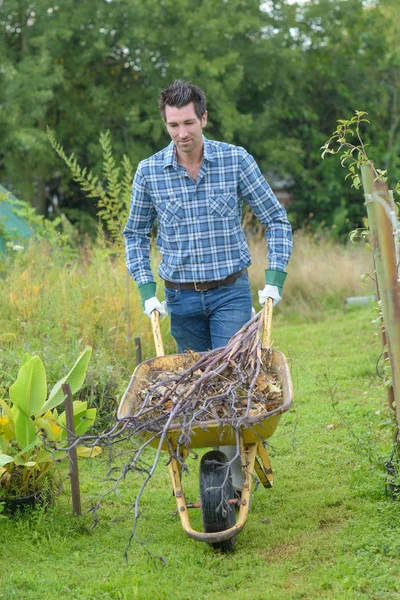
x=137, y=237
x=257, y=193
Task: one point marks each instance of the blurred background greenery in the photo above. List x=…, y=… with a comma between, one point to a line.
x=277, y=76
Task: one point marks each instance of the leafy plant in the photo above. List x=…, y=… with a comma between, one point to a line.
x=353, y=155
x=114, y=198
x=32, y=432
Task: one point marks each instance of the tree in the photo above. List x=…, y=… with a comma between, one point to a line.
x=277, y=77
x=100, y=65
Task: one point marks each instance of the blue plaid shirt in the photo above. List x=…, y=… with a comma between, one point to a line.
x=199, y=232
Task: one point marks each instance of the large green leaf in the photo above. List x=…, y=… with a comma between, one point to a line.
x=5, y=459
x=83, y=419
x=75, y=378
x=29, y=391
x=25, y=430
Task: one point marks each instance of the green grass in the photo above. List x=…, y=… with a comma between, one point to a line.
x=326, y=530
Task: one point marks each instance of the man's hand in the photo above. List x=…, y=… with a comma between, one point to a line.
x=270, y=291
x=154, y=304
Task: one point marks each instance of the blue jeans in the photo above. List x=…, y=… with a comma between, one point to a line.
x=203, y=321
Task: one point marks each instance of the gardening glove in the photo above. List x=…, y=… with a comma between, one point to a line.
x=270, y=291
x=274, y=280
x=154, y=304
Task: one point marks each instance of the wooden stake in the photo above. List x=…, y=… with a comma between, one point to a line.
x=72, y=454
x=385, y=261
x=138, y=346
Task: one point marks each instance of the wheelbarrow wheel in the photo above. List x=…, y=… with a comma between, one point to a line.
x=215, y=490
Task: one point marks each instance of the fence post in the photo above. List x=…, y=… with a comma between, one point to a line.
x=380, y=222
x=138, y=345
x=72, y=454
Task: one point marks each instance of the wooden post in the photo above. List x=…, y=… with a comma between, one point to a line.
x=138, y=346
x=385, y=260
x=72, y=454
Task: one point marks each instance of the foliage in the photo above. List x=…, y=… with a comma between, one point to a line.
x=86, y=67
x=353, y=156
x=112, y=202
x=32, y=432
x=53, y=231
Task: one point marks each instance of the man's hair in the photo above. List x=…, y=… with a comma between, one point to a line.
x=180, y=94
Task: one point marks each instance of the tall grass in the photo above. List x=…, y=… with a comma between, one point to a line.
x=321, y=274
x=54, y=304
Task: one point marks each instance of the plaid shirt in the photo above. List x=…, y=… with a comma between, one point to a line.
x=200, y=237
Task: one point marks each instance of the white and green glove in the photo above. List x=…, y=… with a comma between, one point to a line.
x=273, y=288
x=150, y=301
x=154, y=304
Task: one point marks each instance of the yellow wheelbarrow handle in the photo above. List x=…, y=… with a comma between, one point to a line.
x=267, y=316
x=155, y=324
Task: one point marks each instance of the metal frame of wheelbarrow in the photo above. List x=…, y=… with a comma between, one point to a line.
x=253, y=453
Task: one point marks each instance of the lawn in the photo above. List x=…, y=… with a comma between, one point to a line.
x=327, y=529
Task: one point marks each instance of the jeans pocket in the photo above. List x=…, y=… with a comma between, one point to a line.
x=171, y=295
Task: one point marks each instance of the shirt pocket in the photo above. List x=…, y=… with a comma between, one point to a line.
x=223, y=203
x=169, y=209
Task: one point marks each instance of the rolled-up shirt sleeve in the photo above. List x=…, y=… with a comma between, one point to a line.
x=137, y=231
x=256, y=192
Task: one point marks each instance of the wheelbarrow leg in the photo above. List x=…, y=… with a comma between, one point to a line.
x=263, y=466
x=182, y=453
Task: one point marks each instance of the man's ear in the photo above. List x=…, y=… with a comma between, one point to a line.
x=204, y=119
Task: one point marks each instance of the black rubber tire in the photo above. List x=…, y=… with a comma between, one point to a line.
x=213, y=474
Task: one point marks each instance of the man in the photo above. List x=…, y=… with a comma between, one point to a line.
x=195, y=188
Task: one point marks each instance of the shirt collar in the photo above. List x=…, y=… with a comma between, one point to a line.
x=170, y=158
x=208, y=150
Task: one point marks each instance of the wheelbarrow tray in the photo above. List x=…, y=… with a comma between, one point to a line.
x=208, y=433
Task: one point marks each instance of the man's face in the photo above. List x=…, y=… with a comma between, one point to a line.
x=185, y=127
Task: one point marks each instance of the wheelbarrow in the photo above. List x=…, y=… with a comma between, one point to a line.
x=219, y=503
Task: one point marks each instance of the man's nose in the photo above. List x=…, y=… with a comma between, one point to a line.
x=182, y=133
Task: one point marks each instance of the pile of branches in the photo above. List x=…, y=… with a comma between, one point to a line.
x=227, y=385
x=230, y=386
